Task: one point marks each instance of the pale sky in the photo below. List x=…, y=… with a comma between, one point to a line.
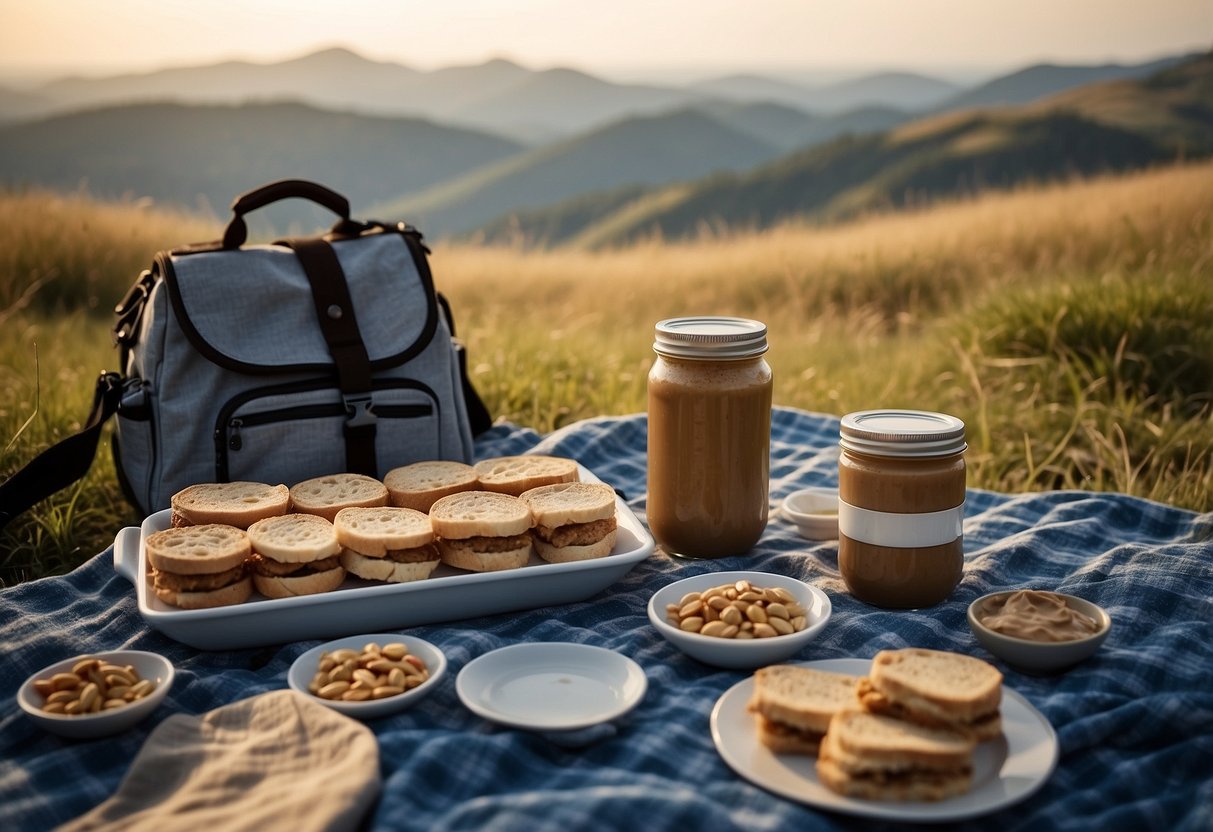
x=107, y=36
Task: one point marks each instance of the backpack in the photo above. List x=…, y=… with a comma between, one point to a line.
x=274, y=363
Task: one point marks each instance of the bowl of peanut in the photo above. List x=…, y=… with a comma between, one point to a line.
x=96, y=695
x=739, y=620
x=369, y=676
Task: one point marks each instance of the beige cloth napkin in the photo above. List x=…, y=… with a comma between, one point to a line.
x=273, y=761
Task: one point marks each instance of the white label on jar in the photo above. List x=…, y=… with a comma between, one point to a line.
x=901, y=531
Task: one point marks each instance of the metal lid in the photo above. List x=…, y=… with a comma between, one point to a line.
x=711, y=337
x=902, y=433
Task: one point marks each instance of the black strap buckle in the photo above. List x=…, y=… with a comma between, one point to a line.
x=360, y=411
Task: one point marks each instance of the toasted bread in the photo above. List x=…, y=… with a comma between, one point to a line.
x=198, y=550
x=420, y=485
x=935, y=688
x=325, y=496
x=479, y=514
x=801, y=697
x=376, y=531
x=236, y=504
x=387, y=569
x=294, y=538
x=516, y=474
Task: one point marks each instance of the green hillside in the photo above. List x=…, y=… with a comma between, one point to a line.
x=1123, y=125
x=187, y=155
x=650, y=150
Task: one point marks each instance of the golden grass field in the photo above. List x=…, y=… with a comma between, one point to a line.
x=1070, y=326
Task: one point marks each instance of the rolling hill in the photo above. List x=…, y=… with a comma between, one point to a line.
x=899, y=90
x=209, y=154
x=682, y=145
x=1113, y=126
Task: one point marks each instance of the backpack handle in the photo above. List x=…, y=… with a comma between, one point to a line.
x=236, y=232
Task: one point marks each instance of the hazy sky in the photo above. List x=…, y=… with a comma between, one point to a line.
x=603, y=35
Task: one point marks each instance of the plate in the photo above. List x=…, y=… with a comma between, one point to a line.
x=1005, y=771
x=304, y=669
x=551, y=686
x=360, y=606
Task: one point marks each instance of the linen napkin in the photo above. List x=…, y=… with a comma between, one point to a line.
x=273, y=761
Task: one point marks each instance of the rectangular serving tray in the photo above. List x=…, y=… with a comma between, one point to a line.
x=360, y=606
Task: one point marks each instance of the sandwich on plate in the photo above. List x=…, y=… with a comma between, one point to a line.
x=482, y=531
x=198, y=567
x=875, y=757
x=794, y=705
x=295, y=554
x=420, y=485
x=386, y=544
x=238, y=504
x=325, y=496
x=936, y=689
x=573, y=520
x=515, y=474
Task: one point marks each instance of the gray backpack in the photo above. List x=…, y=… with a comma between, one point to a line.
x=277, y=363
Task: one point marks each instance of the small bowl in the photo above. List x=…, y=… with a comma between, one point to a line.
x=304, y=669
x=151, y=666
x=1041, y=657
x=750, y=653
x=814, y=511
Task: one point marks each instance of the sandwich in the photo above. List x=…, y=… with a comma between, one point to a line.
x=573, y=520
x=879, y=758
x=386, y=544
x=482, y=531
x=295, y=554
x=198, y=567
x=514, y=474
x=325, y=496
x=794, y=705
x=419, y=485
x=236, y=504
x=936, y=689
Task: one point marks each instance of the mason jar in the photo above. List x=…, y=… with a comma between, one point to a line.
x=709, y=444
x=901, y=489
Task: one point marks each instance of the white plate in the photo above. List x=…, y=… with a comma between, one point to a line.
x=304, y=669
x=360, y=606
x=549, y=686
x=1005, y=771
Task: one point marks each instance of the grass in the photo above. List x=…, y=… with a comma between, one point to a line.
x=1069, y=326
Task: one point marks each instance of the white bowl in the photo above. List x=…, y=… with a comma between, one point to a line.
x=304, y=670
x=151, y=666
x=731, y=653
x=814, y=511
x=1041, y=657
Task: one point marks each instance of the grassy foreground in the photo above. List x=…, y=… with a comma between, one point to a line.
x=1071, y=327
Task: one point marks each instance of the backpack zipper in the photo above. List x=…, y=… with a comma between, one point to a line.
x=316, y=411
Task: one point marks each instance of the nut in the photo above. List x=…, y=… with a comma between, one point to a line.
x=374, y=672
x=92, y=686
x=739, y=610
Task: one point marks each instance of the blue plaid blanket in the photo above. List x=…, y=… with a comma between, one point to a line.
x=1135, y=723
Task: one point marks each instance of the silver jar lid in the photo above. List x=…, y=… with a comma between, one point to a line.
x=710, y=337
x=902, y=433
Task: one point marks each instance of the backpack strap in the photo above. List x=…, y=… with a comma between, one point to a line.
x=65, y=462
x=335, y=312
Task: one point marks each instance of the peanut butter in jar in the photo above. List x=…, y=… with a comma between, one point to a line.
x=709, y=438
x=901, y=483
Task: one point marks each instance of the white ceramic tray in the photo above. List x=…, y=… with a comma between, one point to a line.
x=360, y=606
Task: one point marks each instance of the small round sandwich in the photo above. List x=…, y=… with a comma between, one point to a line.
x=238, y=504
x=420, y=485
x=295, y=554
x=515, y=474
x=482, y=531
x=198, y=567
x=573, y=520
x=325, y=496
x=386, y=544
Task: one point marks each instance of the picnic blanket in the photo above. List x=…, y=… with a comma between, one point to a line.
x=1135, y=722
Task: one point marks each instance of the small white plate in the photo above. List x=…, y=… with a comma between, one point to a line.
x=551, y=686
x=1005, y=771
x=814, y=511
x=304, y=669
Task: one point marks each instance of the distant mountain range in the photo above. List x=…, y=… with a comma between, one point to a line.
x=1118, y=125
x=555, y=156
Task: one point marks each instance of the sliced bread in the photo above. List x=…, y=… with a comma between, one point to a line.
x=325, y=496
x=420, y=485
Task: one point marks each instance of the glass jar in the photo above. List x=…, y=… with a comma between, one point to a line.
x=901, y=489
x=709, y=436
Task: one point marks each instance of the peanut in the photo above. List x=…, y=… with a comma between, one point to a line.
x=739, y=610
x=91, y=687
x=374, y=672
